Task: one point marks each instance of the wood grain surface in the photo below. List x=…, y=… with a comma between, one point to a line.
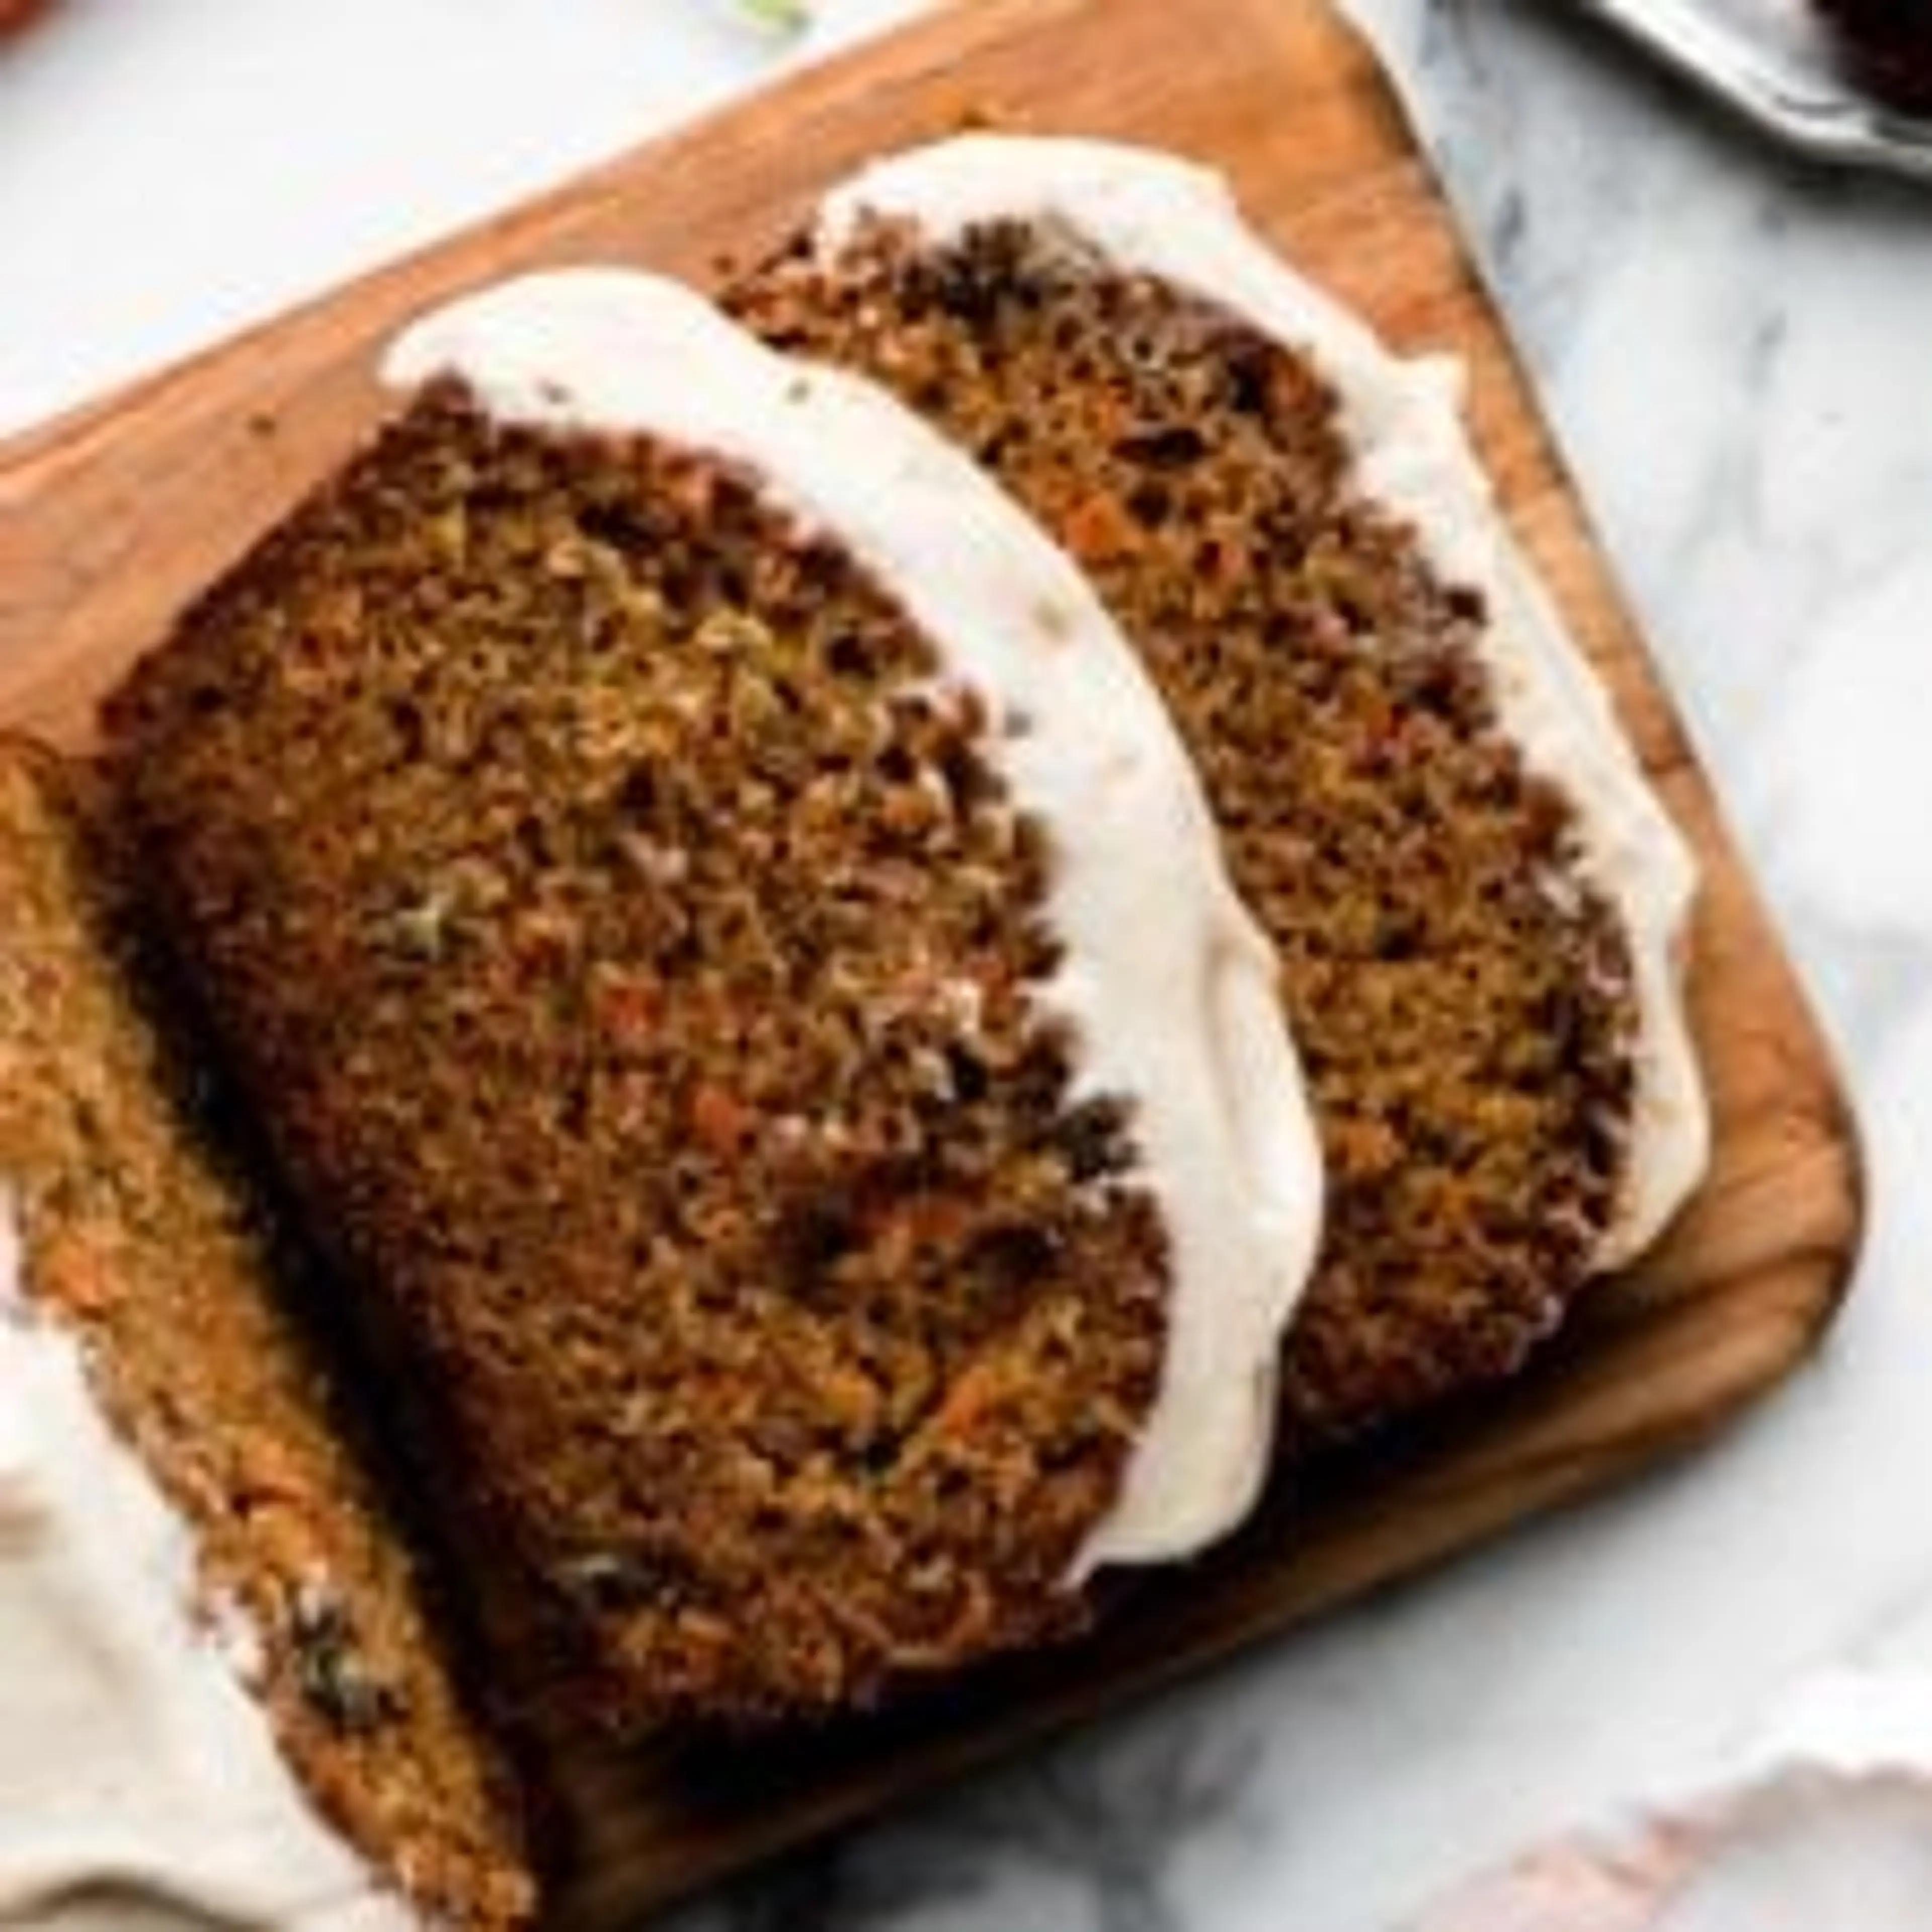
x=108, y=519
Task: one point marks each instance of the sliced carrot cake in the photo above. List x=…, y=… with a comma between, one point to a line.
x=728, y=947
x=1478, y=904
x=221, y=1696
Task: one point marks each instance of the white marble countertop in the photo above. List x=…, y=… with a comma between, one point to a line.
x=1738, y=357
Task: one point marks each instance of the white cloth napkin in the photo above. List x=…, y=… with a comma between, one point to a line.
x=1820, y=1823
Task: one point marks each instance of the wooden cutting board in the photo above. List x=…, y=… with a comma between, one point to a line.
x=109, y=520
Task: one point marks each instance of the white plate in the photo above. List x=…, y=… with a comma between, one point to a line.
x=1771, y=62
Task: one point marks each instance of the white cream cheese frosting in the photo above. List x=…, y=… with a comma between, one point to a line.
x=140, y=1784
x=1168, y=989
x=1155, y=215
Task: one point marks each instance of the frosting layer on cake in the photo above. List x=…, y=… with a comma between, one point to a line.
x=140, y=1784
x=1152, y=214
x=1167, y=987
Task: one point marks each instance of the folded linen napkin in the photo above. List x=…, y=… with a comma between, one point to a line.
x=1822, y=1822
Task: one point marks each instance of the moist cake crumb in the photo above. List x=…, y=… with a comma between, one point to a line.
x=143, y=1241
x=1461, y=999
x=622, y=929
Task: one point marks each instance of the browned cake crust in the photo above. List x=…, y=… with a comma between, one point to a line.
x=1463, y=1011
x=149, y=1247
x=633, y=966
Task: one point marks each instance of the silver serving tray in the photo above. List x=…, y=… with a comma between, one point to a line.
x=1772, y=62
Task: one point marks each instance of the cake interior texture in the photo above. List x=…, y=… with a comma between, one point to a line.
x=632, y=952
x=1461, y=1000
x=141, y=1240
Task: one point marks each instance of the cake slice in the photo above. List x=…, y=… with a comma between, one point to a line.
x=729, y=949
x=220, y=1696
x=1479, y=904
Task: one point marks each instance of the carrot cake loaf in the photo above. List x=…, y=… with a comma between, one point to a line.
x=1478, y=904
x=220, y=1700
x=728, y=947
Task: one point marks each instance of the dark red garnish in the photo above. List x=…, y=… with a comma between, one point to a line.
x=1887, y=48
